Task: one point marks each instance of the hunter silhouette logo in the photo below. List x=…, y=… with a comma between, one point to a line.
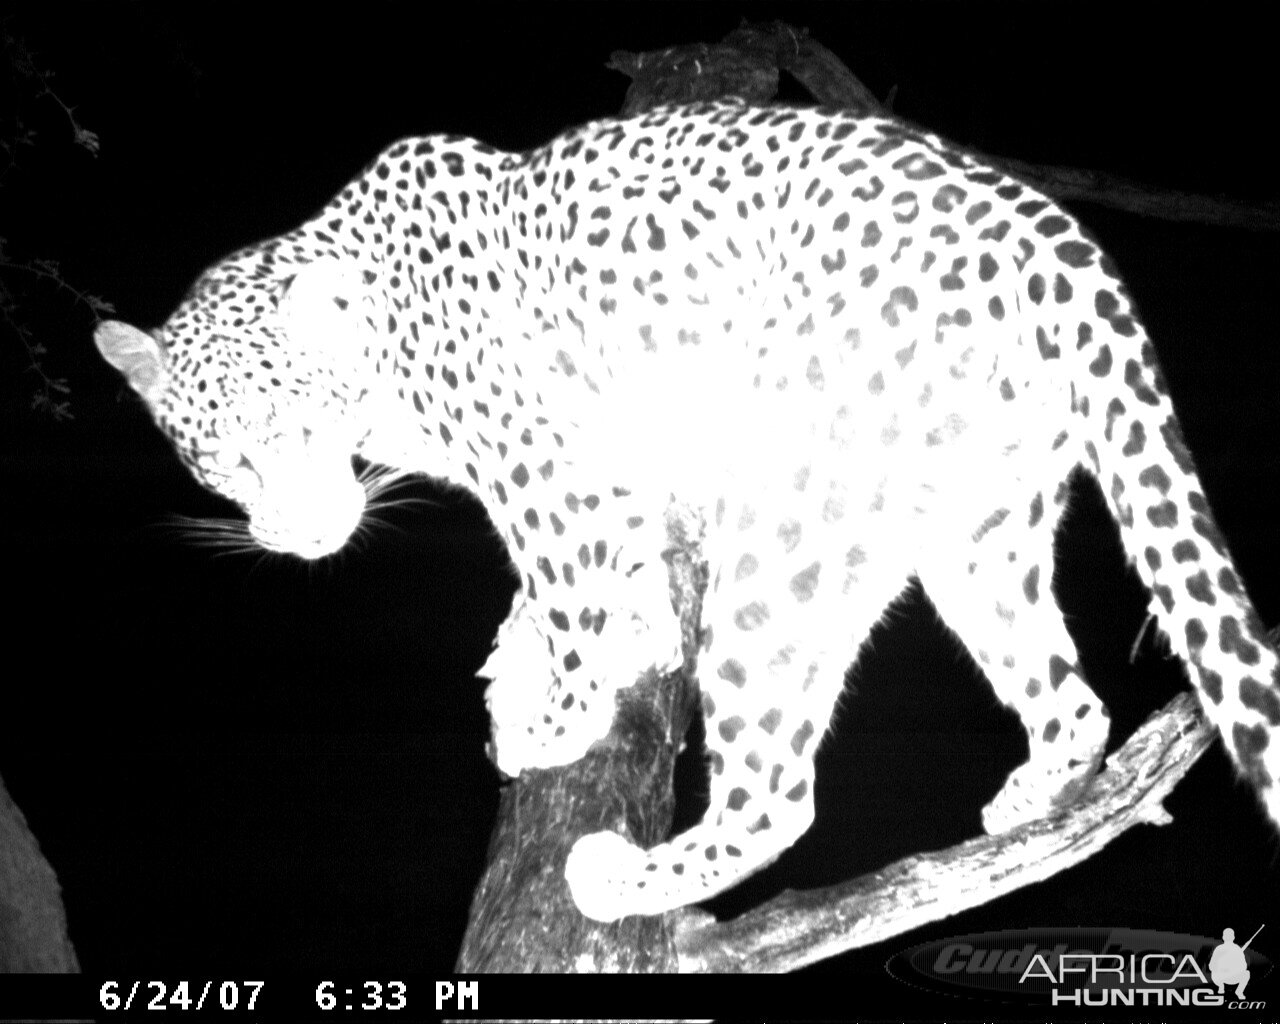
x=1227, y=965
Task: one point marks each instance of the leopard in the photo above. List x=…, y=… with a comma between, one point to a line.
x=865, y=358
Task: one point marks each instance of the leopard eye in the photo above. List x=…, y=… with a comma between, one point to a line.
x=231, y=465
x=224, y=458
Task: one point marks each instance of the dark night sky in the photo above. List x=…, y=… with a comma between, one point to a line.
x=234, y=763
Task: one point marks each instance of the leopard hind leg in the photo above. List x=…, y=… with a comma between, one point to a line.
x=992, y=589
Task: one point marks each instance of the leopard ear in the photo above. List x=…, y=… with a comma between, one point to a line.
x=324, y=306
x=137, y=354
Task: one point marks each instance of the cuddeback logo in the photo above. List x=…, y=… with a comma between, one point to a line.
x=1091, y=967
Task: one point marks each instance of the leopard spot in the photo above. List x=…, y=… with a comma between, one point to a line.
x=731, y=671
x=802, y=736
x=789, y=532
x=797, y=792
x=751, y=616
x=1031, y=585
x=1199, y=587
x=805, y=583
x=1262, y=699
x=1250, y=743
x=1231, y=641
x=770, y=720
x=730, y=727
x=1211, y=684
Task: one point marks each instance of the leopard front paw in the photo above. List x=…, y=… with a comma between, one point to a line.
x=601, y=873
x=654, y=624
x=535, y=719
x=517, y=746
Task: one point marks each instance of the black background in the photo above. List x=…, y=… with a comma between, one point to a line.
x=242, y=763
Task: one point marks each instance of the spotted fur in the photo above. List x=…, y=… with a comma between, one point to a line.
x=861, y=354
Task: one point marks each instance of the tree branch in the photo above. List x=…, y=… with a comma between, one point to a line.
x=800, y=928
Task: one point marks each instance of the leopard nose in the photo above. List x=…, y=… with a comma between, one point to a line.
x=309, y=519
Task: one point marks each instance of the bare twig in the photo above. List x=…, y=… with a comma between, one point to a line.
x=33, y=83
